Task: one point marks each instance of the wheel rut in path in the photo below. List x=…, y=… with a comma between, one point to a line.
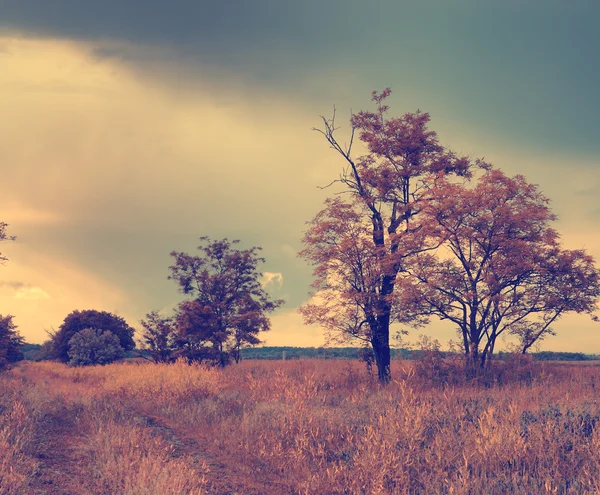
x=224, y=478
x=60, y=469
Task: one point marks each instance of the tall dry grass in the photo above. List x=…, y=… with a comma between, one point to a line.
x=320, y=427
x=17, y=433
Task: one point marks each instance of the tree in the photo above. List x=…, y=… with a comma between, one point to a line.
x=229, y=306
x=98, y=320
x=4, y=237
x=501, y=268
x=359, y=242
x=10, y=342
x=198, y=336
x=159, y=336
x=92, y=346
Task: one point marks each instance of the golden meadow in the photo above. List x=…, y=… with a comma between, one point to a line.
x=298, y=427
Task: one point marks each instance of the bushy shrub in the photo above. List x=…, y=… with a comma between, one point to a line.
x=436, y=367
x=367, y=356
x=79, y=320
x=91, y=346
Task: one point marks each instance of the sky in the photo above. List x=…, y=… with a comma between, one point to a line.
x=130, y=129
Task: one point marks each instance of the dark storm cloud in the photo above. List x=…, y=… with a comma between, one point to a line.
x=524, y=68
x=211, y=27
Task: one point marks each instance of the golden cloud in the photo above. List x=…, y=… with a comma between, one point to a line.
x=89, y=140
x=49, y=288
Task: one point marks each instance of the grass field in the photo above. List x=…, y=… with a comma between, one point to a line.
x=296, y=427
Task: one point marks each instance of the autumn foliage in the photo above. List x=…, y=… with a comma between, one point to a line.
x=360, y=242
x=500, y=268
x=417, y=232
x=227, y=309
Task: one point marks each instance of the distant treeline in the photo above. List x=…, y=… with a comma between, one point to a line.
x=34, y=352
x=315, y=352
x=353, y=353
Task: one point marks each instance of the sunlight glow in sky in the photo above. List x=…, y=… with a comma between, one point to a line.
x=127, y=133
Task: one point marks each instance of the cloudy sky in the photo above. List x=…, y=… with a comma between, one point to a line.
x=129, y=129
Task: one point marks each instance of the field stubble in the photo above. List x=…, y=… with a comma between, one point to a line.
x=296, y=427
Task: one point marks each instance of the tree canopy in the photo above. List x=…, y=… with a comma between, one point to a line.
x=98, y=320
x=408, y=235
x=92, y=346
x=229, y=306
x=4, y=237
x=159, y=336
x=360, y=241
x=500, y=267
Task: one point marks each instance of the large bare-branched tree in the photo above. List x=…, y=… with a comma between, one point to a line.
x=360, y=241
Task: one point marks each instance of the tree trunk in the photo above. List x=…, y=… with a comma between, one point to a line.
x=472, y=363
x=380, y=329
x=237, y=354
x=381, y=349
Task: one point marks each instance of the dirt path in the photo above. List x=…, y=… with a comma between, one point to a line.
x=223, y=478
x=60, y=466
x=63, y=450
x=58, y=441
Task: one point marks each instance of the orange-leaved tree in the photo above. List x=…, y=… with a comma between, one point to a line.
x=359, y=243
x=501, y=268
x=229, y=306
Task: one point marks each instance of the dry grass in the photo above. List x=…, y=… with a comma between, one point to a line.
x=304, y=427
x=17, y=433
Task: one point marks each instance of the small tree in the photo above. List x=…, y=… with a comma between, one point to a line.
x=230, y=306
x=99, y=320
x=10, y=342
x=360, y=242
x=501, y=268
x=92, y=346
x=198, y=337
x=159, y=337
